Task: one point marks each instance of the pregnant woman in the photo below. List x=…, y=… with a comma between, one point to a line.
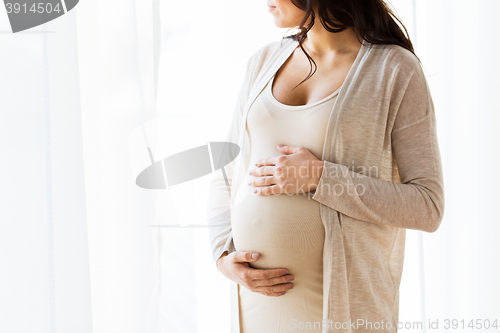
x=308, y=222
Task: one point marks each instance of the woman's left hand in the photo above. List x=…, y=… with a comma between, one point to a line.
x=298, y=171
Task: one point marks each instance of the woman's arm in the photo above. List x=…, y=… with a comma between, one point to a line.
x=415, y=203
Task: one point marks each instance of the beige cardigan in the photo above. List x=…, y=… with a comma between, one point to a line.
x=382, y=174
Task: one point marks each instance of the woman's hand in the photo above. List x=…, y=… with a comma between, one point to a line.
x=268, y=282
x=299, y=171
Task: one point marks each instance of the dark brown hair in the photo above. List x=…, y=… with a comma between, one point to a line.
x=372, y=19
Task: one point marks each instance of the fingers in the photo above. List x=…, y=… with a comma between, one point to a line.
x=263, y=274
x=245, y=256
x=275, y=291
x=263, y=181
x=267, y=161
x=269, y=282
x=263, y=171
x=250, y=274
x=268, y=287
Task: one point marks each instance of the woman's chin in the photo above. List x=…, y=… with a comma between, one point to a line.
x=280, y=24
x=286, y=26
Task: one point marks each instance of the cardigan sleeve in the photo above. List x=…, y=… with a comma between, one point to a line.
x=415, y=203
x=219, y=194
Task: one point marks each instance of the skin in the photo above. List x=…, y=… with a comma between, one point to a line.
x=295, y=170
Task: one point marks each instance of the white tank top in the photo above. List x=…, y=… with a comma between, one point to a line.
x=285, y=229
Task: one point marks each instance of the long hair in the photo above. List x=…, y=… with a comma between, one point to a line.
x=372, y=19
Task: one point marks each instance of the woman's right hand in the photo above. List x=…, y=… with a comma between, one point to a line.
x=268, y=282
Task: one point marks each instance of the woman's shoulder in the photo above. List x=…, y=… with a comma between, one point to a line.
x=269, y=51
x=402, y=69
x=396, y=55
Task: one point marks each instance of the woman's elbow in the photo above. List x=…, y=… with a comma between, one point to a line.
x=434, y=226
x=436, y=215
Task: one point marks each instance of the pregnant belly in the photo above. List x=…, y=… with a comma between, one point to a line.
x=288, y=233
x=285, y=229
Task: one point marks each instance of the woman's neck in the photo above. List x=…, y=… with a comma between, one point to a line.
x=321, y=43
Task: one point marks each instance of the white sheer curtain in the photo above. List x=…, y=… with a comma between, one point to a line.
x=83, y=249
x=44, y=260
x=77, y=254
x=118, y=44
